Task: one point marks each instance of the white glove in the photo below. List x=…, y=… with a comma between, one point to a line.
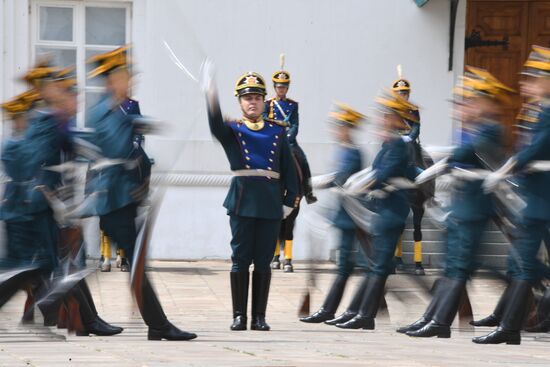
x=377, y=194
x=286, y=211
x=494, y=178
x=207, y=73
x=322, y=181
x=406, y=139
x=491, y=181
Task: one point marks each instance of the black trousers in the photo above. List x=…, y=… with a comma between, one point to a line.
x=120, y=226
x=253, y=241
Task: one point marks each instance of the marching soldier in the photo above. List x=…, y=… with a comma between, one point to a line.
x=526, y=122
x=284, y=109
x=471, y=208
x=523, y=267
x=391, y=208
x=43, y=144
x=120, y=188
x=411, y=135
x=263, y=191
x=130, y=107
x=349, y=161
x=18, y=225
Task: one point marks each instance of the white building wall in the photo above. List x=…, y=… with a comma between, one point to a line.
x=336, y=51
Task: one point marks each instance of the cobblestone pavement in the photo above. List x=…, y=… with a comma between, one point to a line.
x=196, y=297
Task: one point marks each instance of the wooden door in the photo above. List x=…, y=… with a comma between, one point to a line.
x=497, y=35
x=539, y=24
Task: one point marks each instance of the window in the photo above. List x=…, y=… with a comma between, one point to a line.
x=73, y=31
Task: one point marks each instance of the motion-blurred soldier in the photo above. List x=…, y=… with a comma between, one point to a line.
x=20, y=249
x=120, y=189
x=483, y=98
x=391, y=207
x=349, y=161
x=121, y=89
x=534, y=221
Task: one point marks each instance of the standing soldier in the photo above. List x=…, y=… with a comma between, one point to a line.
x=534, y=220
x=471, y=209
x=284, y=109
x=410, y=133
x=263, y=191
x=349, y=161
x=120, y=188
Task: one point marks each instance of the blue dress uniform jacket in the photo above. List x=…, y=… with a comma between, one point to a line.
x=289, y=115
x=114, y=134
x=267, y=149
x=535, y=186
x=44, y=142
x=131, y=107
x=469, y=201
x=14, y=201
x=391, y=161
x=348, y=162
x=32, y=231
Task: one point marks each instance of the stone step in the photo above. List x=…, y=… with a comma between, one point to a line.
x=437, y=260
x=427, y=223
x=486, y=248
x=439, y=235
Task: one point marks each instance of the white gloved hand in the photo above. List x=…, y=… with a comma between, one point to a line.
x=207, y=74
x=322, y=181
x=286, y=211
x=491, y=181
x=406, y=139
x=377, y=194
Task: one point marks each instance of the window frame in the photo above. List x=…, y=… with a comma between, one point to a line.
x=78, y=43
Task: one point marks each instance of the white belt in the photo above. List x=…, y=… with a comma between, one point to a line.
x=256, y=173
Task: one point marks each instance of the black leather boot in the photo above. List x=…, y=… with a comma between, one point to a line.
x=428, y=314
x=514, y=315
x=154, y=316
x=543, y=315
x=494, y=318
x=169, y=332
x=353, y=307
x=91, y=322
x=28, y=310
x=260, y=294
x=99, y=327
x=369, y=306
x=445, y=312
x=239, y=294
x=334, y=296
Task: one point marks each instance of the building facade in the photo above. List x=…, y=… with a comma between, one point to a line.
x=335, y=51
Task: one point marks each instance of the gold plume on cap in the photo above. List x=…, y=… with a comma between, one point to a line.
x=282, y=61
x=21, y=103
x=393, y=102
x=108, y=61
x=345, y=114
